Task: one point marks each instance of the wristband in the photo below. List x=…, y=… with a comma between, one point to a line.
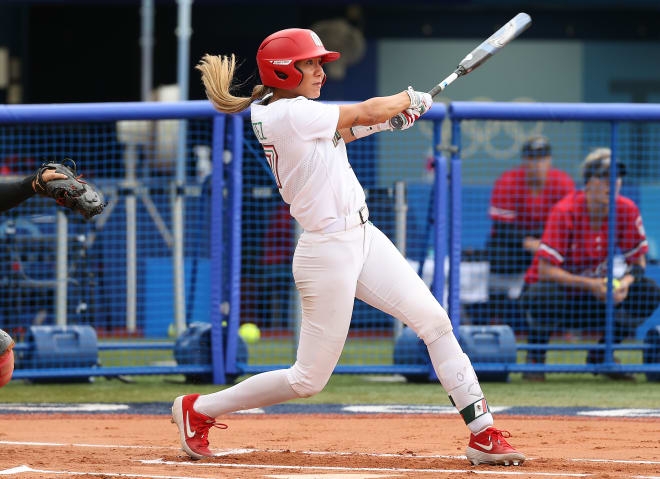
x=27, y=185
x=360, y=131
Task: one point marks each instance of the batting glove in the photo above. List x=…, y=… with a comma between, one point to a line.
x=404, y=120
x=419, y=100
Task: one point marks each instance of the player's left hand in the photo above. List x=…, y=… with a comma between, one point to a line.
x=46, y=176
x=61, y=181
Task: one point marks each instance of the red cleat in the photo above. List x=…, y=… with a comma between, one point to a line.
x=193, y=427
x=490, y=447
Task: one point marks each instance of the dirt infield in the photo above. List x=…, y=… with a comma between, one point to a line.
x=322, y=446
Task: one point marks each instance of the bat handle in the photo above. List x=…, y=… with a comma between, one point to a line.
x=445, y=83
x=397, y=121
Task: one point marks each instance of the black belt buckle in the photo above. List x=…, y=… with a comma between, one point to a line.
x=363, y=220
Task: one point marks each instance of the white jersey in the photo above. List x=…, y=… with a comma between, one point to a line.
x=308, y=160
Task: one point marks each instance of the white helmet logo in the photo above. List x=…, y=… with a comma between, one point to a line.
x=316, y=40
x=281, y=62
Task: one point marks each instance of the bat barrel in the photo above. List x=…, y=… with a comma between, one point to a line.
x=495, y=42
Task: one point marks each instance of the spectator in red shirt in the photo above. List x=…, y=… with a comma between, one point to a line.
x=566, y=285
x=520, y=203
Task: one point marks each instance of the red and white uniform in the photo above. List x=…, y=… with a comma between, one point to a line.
x=512, y=201
x=570, y=241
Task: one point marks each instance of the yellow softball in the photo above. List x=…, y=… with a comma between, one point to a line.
x=615, y=283
x=249, y=332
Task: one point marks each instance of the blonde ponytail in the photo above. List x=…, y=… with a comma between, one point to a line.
x=218, y=76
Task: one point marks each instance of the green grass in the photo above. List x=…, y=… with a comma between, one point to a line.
x=560, y=390
x=362, y=351
x=374, y=351
x=272, y=351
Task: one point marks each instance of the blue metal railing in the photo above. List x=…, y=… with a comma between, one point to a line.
x=610, y=113
x=446, y=235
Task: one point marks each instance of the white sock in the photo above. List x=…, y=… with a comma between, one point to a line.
x=445, y=351
x=261, y=390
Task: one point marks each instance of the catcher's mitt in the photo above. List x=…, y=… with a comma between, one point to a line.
x=71, y=192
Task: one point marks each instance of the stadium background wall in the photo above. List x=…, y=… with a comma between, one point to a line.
x=574, y=37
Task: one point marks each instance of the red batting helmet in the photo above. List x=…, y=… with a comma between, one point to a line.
x=278, y=53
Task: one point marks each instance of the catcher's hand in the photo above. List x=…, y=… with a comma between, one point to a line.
x=69, y=190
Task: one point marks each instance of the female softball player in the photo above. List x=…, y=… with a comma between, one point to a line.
x=340, y=255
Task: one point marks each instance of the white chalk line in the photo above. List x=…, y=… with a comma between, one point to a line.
x=621, y=413
x=617, y=461
x=507, y=472
x=299, y=468
x=500, y=472
x=24, y=468
x=63, y=408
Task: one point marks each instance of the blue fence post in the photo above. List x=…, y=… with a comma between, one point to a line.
x=455, y=228
x=217, y=271
x=235, y=235
x=611, y=223
x=439, y=212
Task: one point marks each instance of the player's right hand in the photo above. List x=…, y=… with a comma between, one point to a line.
x=404, y=120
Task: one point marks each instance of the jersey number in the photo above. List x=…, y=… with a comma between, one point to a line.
x=271, y=158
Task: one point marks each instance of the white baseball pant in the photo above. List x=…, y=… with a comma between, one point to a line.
x=330, y=270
